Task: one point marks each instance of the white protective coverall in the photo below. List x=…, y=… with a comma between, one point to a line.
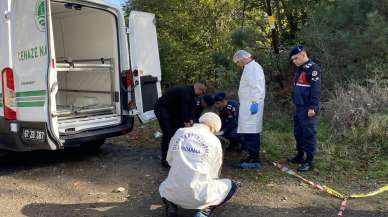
x=195, y=157
x=251, y=89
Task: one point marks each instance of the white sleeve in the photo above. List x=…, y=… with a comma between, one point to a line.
x=256, y=82
x=216, y=158
x=172, y=145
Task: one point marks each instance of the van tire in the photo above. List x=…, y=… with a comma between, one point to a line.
x=92, y=146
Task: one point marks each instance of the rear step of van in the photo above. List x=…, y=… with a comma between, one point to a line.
x=77, y=125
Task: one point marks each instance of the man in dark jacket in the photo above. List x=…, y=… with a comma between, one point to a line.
x=175, y=110
x=306, y=97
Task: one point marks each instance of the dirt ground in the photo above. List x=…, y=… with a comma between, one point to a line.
x=75, y=184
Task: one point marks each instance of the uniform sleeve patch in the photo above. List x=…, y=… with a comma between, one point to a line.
x=315, y=79
x=314, y=73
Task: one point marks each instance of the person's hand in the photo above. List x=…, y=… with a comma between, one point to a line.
x=311, y=113
x=254, y=108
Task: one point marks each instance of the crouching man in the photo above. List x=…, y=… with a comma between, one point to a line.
x=195, y=158
x=228, y=111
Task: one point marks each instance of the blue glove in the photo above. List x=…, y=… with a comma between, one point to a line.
x=254, y=108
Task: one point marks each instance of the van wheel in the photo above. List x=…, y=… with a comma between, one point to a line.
x=92, y=146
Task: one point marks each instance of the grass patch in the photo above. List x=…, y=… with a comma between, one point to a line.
x=379, y=169
x=359, y=156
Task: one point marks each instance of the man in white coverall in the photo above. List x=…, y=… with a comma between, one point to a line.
x=251, y=95
x=195, y=157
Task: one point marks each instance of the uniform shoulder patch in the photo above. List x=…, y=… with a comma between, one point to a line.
x=314, y=73
x=308, y=65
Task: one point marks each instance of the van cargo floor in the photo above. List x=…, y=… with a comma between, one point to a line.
x=71, y=112
x=76, y=125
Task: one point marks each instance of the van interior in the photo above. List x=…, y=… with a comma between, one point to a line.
x=86, y=49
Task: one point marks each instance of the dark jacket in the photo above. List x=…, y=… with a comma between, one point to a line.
x=307, y=86
x=229, y=117
x=197, y=109
x=178, y=101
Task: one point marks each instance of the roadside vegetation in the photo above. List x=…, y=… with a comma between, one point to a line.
x=348, y=38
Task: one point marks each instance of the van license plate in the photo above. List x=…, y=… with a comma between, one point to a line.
x=32, y=134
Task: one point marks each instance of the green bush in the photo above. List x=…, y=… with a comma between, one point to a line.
x=349, y=37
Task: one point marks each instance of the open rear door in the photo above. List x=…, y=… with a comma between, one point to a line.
x=145, y=62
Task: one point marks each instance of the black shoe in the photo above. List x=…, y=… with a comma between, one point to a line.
x=305, y=167
x=208, y=212
x=171, y=209
x=165, y=164
x=296, y=160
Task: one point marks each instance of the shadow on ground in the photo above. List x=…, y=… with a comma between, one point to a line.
x=134, y=209
x=11, y=162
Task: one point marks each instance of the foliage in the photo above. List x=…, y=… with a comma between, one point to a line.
x=349, y=37
x=193, y=38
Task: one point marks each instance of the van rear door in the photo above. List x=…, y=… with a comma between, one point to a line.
x=145, y=62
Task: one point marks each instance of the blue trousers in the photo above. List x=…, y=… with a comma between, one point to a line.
x=251, y=143
x=305, y=134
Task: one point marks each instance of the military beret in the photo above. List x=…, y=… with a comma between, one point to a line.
x=219, y=96
x=295, y=50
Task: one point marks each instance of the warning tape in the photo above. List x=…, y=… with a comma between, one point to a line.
x=373, y=193
x=323, y=188
x=329, y=190
x=342, y=208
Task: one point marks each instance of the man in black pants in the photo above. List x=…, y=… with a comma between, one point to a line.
x=175, y=110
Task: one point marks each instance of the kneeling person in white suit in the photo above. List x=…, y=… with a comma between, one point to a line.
x=195, y=158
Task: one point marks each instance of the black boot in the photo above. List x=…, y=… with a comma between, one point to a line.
x=207, y=212
x=171, y=209
x=306, y=167
x=298, y=159
x=165, y=164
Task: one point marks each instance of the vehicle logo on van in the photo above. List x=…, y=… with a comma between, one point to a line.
x=40, y=15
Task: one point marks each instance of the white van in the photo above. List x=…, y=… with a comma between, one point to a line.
x=65, y=73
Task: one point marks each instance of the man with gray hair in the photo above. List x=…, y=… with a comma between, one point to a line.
x=175, y=110
x=195, y=157
x=251, y=95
